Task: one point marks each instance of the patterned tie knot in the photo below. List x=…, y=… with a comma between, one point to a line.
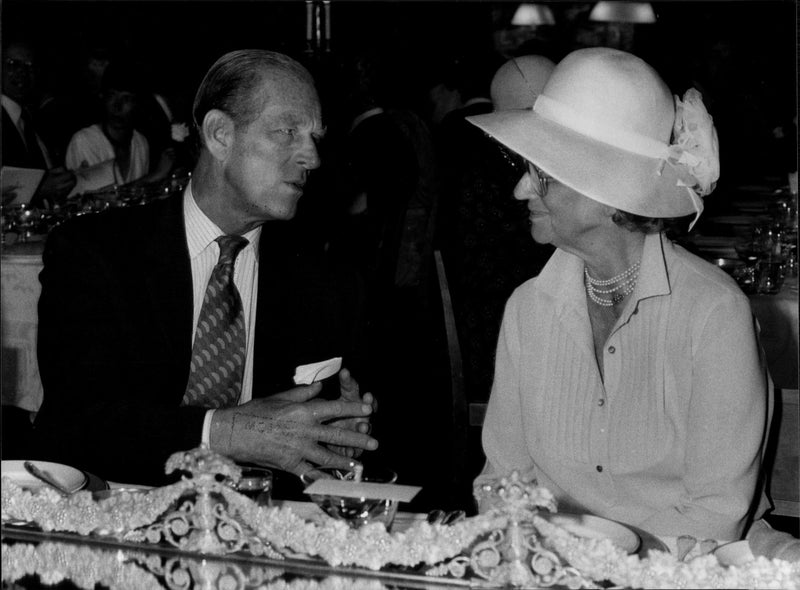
x=229, y=247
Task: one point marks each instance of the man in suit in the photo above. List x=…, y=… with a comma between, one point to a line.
x=22, y=145
x=124, y=296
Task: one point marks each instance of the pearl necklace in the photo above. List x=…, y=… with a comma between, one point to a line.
x=621, y=285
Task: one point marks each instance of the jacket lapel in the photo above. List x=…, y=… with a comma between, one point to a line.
x=273, y=351
x=14, y=151
x=169, y=278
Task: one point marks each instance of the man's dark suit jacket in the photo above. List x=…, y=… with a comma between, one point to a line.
x=115, y=330
x=14, y=151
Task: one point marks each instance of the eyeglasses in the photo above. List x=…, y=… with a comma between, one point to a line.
x=522, y=166
x=544, y=180
x=18, y=64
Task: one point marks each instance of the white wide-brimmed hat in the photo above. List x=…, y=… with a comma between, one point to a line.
x=518, y=82
x=607, y=126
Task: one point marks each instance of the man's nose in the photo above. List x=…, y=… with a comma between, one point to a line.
x=524, y=189
x=309, y=155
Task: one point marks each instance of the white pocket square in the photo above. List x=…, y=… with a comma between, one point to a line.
x=307, y=374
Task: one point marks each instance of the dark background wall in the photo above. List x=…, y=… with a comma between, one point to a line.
x=183, y=37
x=741, y=54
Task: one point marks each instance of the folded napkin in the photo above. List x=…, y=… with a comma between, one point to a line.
x=688, y=547
x=360, y=489
x=772, y=544
x=307, y=374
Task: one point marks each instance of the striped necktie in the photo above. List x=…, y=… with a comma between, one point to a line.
x=219, y=350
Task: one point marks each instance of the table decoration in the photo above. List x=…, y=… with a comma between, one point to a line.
x=87, y=567
x=512, y=543
x=358, y=497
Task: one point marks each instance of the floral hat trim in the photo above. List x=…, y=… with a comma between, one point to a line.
x=694, y=150
x=695, y=147
x=695, y=143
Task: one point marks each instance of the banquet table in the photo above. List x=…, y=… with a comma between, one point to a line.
x=120, y=565
x=19, y=295
x=778, y=317
x=33, y=558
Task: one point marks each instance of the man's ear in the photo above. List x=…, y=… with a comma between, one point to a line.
x=218, y=131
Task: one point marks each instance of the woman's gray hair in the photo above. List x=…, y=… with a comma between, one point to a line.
x=674, y=227
x=234, y=84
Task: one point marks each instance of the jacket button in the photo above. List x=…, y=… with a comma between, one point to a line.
x=612, y=350
x=601, y=402
x=599, y=469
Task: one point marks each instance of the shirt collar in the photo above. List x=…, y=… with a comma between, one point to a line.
x=653, y=274
x=562, y=276
x=12, y=107
x=201, y=231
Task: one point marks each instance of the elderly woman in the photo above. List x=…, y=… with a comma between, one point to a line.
x=628, y=378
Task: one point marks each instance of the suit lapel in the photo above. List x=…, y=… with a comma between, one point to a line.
x=273, y=369
x=14, y=151
x=169, y=278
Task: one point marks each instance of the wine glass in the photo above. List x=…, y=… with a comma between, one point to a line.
x=354, y=509
x=25, y=219
x=256, y=484
x=750, y=252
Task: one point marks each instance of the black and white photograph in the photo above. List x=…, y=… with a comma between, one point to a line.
x=399, y=294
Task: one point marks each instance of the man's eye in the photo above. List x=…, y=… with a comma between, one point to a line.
x=290, y=131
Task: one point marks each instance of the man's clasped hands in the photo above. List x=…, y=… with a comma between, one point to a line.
x=295, y=431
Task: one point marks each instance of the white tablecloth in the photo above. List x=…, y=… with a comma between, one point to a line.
x=778, y=318
x=19, y=296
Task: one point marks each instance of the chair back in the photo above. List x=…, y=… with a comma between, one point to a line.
x=466, y=418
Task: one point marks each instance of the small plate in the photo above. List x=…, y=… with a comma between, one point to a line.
x=72, y=479
x=737, y=553
x=594, y=527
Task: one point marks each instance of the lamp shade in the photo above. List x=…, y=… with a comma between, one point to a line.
x=532, y=15
x=623, y=12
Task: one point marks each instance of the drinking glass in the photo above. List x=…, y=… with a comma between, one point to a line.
x=357, y=511
x=749, y=251
x=6, y=224
x=789, y=251
x=26, y=218
x=256, y=484
x=770, y=273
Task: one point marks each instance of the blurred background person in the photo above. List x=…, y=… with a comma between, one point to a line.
x=374, y=174
x=487, y=250
x=112, y=146
x=22, y=145
x=74, y=100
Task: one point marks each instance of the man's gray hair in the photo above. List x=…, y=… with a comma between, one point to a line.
x=234, y=82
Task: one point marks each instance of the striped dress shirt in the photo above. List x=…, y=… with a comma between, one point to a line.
x=204, y=254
